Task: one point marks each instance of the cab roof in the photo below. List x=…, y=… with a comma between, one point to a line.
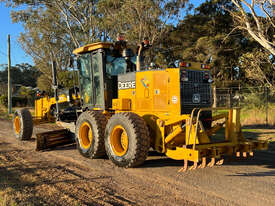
x=92, y=47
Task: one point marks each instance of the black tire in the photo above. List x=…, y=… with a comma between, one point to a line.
x=138, y=139
x=22, y=124
x=96, y=122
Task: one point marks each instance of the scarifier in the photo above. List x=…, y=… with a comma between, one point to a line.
x=123, y=113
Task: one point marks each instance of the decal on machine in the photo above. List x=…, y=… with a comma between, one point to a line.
x=196, y=98
x=127, y=85
x=145, y=82
x=174, y=99
x=127, y=81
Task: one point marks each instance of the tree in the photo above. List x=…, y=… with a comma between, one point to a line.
x=259, y=68
x=206, y=37
x=53, y=29
x=139, y=19
x=24, y=74
x=260, y=28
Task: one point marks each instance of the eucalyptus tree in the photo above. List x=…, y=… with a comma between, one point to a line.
x=206, y=36
x=52, y=29
x=257, y=19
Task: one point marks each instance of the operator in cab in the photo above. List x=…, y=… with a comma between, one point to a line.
x=142, y=47
x=133, y=62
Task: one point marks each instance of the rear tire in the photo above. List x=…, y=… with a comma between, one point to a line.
x=89, y=133
x=22, y=124
x=127, y=140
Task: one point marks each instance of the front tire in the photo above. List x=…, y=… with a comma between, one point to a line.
x=89, y=132
x=22, y=124
x=127, y=140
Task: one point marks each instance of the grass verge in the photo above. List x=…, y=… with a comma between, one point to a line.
x=258, y=116
x=4, y=112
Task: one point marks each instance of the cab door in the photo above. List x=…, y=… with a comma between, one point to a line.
x=91, y=80
x=98, y=80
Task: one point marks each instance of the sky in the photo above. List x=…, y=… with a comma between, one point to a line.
x=18, y=56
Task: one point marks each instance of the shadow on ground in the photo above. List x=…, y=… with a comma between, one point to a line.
x=260, y=134
x=33, y=182
x=258, y=126
x=260, y=158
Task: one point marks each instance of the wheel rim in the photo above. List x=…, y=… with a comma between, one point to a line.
x=119, y=141
x=17, y=124
x=85, y=135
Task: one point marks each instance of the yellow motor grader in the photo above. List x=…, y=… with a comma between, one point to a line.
x=126, y=108
x=48, y=109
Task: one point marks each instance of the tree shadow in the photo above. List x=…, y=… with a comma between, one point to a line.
x=258, y=126
x=260, y=158
x=4, y=143
x=255, y=174
x=153, y=153
x=71, y=146
x=24, y=179
x=162, y=162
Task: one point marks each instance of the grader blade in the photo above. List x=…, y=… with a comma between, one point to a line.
x=51, y=139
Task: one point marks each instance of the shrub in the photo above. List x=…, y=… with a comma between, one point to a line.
x=4, y=100
x=16, y=101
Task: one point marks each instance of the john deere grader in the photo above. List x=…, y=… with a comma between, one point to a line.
x=126, y=108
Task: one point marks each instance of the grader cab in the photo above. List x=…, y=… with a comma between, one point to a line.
x=125, y=110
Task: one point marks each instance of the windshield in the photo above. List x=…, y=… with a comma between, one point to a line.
x=115, y=65
x=119, y=65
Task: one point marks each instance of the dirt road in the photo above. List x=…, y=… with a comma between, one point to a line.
x=63, y=177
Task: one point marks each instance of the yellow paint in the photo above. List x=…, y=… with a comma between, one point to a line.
x=43, y=106
x=203, y=138
x=17, y=124
x=121, y=104
x=180, y=153
x=157, y=92
x=196, y=66
x=190, y=138
x=85, y=135
x=177, y=119
x=119, y=140
x=174, y=92
x=156, y=99
x=173, y=134
x=92, y=47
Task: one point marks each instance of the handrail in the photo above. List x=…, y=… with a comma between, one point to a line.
x=197, y=120
x=191, y=124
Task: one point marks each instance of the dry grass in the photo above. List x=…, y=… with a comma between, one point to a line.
x=258, y=116
x=4, y=112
